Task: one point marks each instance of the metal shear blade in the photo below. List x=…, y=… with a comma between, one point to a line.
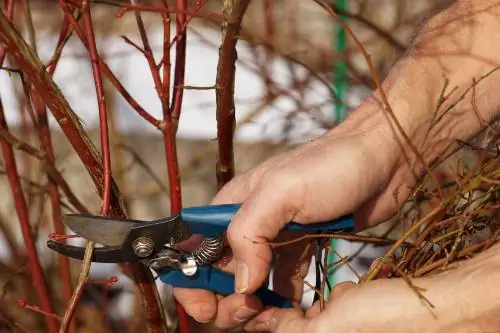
x=101, y=230
x=100, y=254
x=124, y=240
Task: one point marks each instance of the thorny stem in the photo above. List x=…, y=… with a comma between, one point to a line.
x=225, y=91
x=21, y=205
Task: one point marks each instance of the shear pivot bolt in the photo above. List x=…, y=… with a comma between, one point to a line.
x=143, y=246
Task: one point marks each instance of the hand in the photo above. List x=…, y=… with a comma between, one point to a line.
x=354, y=168
x=464, y=299
x=358, y=166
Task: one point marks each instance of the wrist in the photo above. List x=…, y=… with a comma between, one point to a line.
x=438, y=92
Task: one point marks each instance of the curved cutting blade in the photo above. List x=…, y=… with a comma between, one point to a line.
x=102, y=230
x=99, y=254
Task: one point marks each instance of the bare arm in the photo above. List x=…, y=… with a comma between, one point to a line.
x=457, y=47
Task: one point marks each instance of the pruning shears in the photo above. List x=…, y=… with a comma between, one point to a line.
x=153, y=244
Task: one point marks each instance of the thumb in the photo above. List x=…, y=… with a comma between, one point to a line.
x=259, y=220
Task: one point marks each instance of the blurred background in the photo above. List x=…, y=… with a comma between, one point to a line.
x=297, y=76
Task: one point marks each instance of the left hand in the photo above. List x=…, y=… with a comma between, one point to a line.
x=464, y=299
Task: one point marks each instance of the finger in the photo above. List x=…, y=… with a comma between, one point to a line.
x=235, y=191
x=199, y=304
x=202, y=304
x=340, y=288
x=288, y=321
x=233, y=311
x=259, y=220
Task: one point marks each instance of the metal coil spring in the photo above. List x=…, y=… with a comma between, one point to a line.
x=209, y=251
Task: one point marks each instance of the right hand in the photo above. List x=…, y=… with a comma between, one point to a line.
x=355, y=168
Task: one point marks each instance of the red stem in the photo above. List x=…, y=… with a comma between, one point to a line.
x=55, y=198
x=49, y=161
x=148, y=54
x=9, y=13
x=21, y=207
x=23, y=304
x=23, y=216
x=165, y=61
x=107, y=71
x=54, y=99
x=83, y=146
x=63, y=34
x=143, y=8
x=171, y=119
x=103, y=119
x=166, y=55
x=103, y=128
x=180, y=62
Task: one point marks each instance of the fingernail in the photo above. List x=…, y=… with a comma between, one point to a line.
x=241, y=277
x=243, y=314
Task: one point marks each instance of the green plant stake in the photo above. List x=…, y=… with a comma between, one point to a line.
x=339, y=72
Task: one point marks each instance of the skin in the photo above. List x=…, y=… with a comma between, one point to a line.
x=357, y=167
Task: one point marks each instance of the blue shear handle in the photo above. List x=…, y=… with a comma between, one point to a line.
x=213, y=220
x=221, y=283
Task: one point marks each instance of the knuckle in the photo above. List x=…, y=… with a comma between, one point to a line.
x=201, y=311
x=234, y=233
x=199, y=305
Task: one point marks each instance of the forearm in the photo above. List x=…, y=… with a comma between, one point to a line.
x=456, y=48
